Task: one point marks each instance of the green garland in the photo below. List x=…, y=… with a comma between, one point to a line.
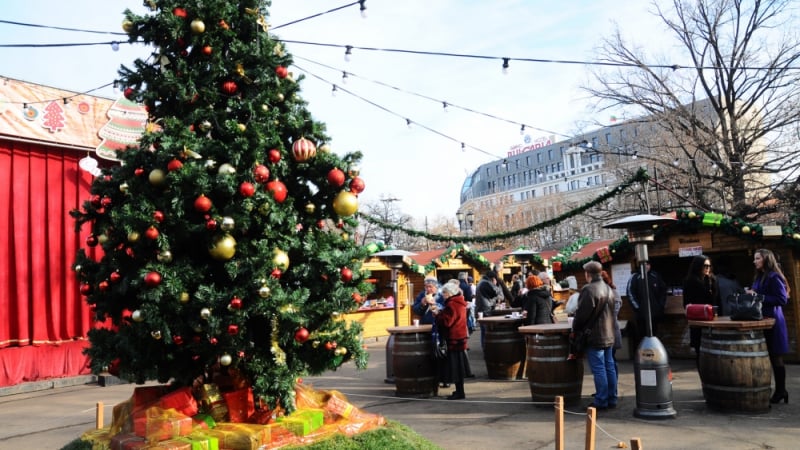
x=641, y=176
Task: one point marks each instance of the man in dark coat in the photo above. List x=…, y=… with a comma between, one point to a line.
x=596, y=313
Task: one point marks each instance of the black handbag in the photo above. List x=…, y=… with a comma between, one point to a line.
x=439, y=343
x=745, y=306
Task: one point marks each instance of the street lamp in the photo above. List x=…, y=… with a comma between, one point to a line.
x=651, y=365
x=465, y=222
x=393, y=259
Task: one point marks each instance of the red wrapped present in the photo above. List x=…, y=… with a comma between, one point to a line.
x=604, y=254
x=339, y=407
x=240, y=404
x=180, y=400
x=128, y=441
x=156, y=424
x=556, y=266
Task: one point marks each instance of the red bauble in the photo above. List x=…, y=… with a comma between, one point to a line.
x=95, y=201
x=276, y=273
x=321, y=224
x=211, y=224
x=247, y=189
x=336, y=177
x=207, y=50
x=301, y=335
x=274, y=155
x=303, y=150
x=114, y=277
x=261, y=173
x=278, y=190
x=91, y=240
x=86, y=288
x=103, y=286
x=357, y=185
x=138, y=171
x=152, y=279
x=177, y=339
x=179, y=12
x=128, y=93
x=158, y=216
x=329, y=346
x=229, y=87
x=174, y=165
x=236, y=303
x=151, y=233
x=233, y=329
x=202, y=204
x=347, y=274
x=282, y=72
x=105, y=202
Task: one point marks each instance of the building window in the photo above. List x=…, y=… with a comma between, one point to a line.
x=550, y=154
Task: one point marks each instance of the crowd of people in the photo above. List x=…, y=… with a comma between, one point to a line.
x=456, y=305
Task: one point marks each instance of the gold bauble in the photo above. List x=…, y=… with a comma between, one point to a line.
x=137, y=316
x=345, y=236
x=156, y=334
x=353, y=171
x=133, y=236
x=197, y=26
x=156, y=177
x=264, y=292
x=128, y=26
x=280, y=258
x=242, y=127
x=228, y=224
x=184, y=298
x=745, y=229
x=324, y=148
x=205, y=126
x=102, y=238
x=205, y=313
x=692, y=214
x=223, y=248
x=310, y=208
x=123, y=188
x=345, y=204
x=796, y=236
x=225, y=359
x=165, y=256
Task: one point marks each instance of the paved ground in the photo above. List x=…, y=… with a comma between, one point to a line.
x=496, y=414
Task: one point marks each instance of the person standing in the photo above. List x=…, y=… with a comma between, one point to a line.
x=487, y=295
x=771, y=283
x=699, y=287
x=452, y=323
x=536, y=303
x=637, y=296
x=728, y=285
x=427, y=300
x=617, y=306
x=596, y=313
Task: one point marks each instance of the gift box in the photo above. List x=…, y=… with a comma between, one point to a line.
x=240, y=404
x=712, y=219
x=213, y=403
x=238, y=436
x=204, y=421
x=604, y=254
x=128, y=441
x=180, y=400
x=156, y=424
x=339, y=407
x=200, y=441
x=99, y=438
x=280, y=436
x=172, y=444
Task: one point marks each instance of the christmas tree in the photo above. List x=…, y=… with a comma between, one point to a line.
x=225, y=233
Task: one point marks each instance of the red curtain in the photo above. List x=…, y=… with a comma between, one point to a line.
x=40, y=302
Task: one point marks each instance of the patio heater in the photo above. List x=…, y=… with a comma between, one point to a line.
x=524, y=257
x=651, y=365
x=392, y=259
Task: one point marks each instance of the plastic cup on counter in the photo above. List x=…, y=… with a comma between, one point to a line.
x=416, y=322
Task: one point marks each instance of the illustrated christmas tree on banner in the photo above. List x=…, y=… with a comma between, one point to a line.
x=225, y=233
x=126, y=123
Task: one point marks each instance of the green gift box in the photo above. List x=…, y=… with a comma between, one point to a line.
x=712, y=219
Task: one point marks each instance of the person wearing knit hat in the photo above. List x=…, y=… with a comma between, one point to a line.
x=536, y=303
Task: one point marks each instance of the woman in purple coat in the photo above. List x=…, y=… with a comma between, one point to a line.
x=770, y=281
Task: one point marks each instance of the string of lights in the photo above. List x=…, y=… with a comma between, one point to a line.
x=49, y=27
x=409, y=122
x=445, y=104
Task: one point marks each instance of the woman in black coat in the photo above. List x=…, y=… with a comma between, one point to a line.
x=699, y=287
x=536, y=303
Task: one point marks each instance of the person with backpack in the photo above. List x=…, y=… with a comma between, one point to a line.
x=637, y=295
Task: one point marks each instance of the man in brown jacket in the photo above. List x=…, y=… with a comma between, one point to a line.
x=596, y=313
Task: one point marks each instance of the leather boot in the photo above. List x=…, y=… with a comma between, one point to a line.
x=780, y=386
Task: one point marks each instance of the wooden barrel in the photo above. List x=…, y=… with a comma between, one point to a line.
x=549, y=372
x=415, y=373
x=735, y=370
x=504, y=351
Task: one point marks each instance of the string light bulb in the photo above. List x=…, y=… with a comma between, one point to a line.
x=676, y=162
x=463, y=147
x=505, y=66
x=522, y=130
x=363, y=8
x=444, y=106
x=333, y=91
x=115, y=46
x=348, y=51
x=408, y=123
x=344, y=77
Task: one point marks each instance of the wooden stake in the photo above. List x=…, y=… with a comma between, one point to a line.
x=636, y=444
x=591, y=417
x=99, y=415
x=559, y=438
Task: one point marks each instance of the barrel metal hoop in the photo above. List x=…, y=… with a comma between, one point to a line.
x=712, y=351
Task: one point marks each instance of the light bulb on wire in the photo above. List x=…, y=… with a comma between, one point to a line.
x=348, y=50
x=333, y=91
x=505, y=66
x=444, y=106
x=363, y=8
x=344, y=77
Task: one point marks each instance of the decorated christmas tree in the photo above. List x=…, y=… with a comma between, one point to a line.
x=222, y=241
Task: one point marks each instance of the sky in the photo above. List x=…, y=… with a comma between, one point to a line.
x=421, y=166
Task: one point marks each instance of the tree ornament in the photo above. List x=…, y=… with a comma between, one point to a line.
x=226, y=169
x=105, y=202
x=247, y=189
x=264, y=292
x=241, y=127
x=280, y=97
x=86, y=288
x=274, y=155
x=692, y=214
x=184, y=297
x=114, y=277
x=204, y=126
x=229, y=87
x=177, y=339
x=357, y=185
x=347, y=274
x=278, y=190
x=301, y=335
x=345, y=204
x=329, y=346
x=133, y=237
x=353, y=171
x=158, y=216
x=276, y=273
x=174, y=164
x=281, y=71
x=202, y=204
x=745, y=229
x=225, y=360
x=325, y=148
x=303, y=150
x=261, y=173
x=223, y=247
x=102, y=239
x=321, y=224
x=280, y=259
x=233, y=330
x=157, y=177
x=236, y=303
x=91, y=240
x=151, y=233
x=207, y=50
x=264, y=209
x=138, y=171
x=228, y=224
x=165, y=256
x=152, y=279
x=211, y=224
x=336, y=177
x=123, y=187
x=197, y=26
x=310, y=208
x=796, y=236
x=128, y=26
x=128, y=93
x=205, y=313
x=156, y=334
x=179, y=12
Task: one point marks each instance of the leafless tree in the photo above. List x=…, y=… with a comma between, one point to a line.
x=723, y=127
x=386, y=211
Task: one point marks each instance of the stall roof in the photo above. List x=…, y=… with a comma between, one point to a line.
x=588, y=250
